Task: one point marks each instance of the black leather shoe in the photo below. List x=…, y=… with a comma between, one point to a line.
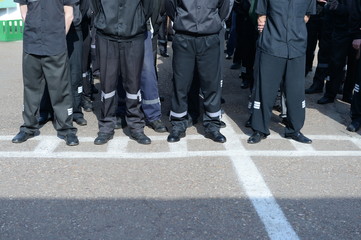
x=175, y=136
x=140, y=137
x=354, y=126
x=245, y=84
x=314, y=88
x=103, y=138
x=325, y=100
x=80, y=121
x=299, y=137
x=216, y=136
x=158, y=126
x=120, y=122
x=71, y=139
x=256, y=137
x=235, y=66
x=87, y=104
x=164, y=54
x=22, y=137
x=45, y=117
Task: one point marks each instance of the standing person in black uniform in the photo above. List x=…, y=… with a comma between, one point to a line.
x=121, y=28
x=74, y=42
x=45, y=59
x=281, y=56
x=341, y=50
x=355, y=30
x=196, y=50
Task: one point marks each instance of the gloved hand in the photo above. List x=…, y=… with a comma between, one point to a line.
x=332, y=4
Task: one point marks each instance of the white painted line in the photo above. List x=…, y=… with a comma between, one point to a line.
x=302, y=147
x=46, y=146
x=179, y=147
x=276, y=224
x=117, y=146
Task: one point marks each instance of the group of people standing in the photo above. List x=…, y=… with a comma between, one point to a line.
x=55, y=62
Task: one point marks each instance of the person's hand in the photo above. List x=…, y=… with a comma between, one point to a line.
x=356, y=44
x=261, y=22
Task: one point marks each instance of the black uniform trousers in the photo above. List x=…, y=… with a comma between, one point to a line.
x=86, y=58
x=120, y=60
x=314, y=33
x=201, y=56
x=74, y=41
x=356, y=98
x=323, y=55
x=53, y=70
x=270, y=71
x=341, y=49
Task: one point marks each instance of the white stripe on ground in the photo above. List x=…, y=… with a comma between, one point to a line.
x=257, y=191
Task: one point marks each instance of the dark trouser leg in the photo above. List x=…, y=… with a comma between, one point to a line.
x=45, y=104
x=109, y=75
x=269, y=73
x=209, y=71
x=340, y=46
x=149, y=84
x=184, y=52
x=313, y=34
x=131, y=63
x=294, y=83
x=34, y=84
x=75, y=53
x=57, y=76
x=356, y=98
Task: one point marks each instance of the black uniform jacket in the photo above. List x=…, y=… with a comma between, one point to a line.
x=355, y=19
x=44, y=28
x=285, y=32
x=197, y=17
x=121, y=19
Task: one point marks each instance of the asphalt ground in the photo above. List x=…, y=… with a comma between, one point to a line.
x=193, y=189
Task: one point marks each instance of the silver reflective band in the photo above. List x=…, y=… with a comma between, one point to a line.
x=85, y=74
x=178, y=115
x=92, y=46
x=256, y=105
x=357, y=88
x=249, y=105
x=221, y=82
x=215, y=114
x=107, y=95
x=133, y=96
x=150, y=102
x=80, y=89
x=304, y=104
x=70, y=111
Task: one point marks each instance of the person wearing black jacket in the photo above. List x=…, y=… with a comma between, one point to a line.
x=341, y=52
x=355, y=32
x=196, y=50
x=121, y=28
x=45, y=60
x=281, y=58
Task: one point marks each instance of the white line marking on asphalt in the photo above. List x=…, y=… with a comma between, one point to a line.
x=46, y=146
x=180, y=146
x=302, y=147
x=257, y=191
x=116, y=146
